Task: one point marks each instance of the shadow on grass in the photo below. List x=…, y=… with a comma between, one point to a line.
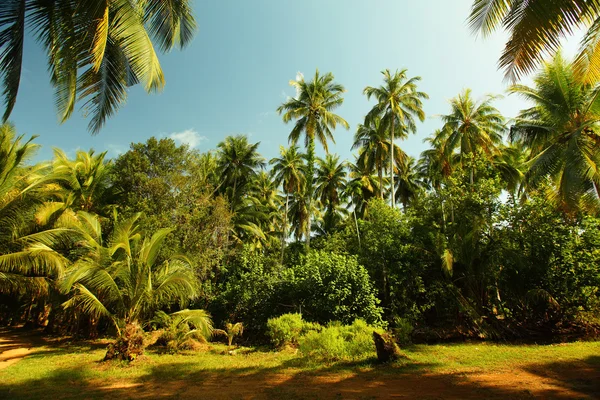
x=300, y=378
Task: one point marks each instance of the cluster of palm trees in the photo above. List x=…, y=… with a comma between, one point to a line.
x=59, y=239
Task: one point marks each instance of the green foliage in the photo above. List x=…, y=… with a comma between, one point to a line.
x=339, y=342
x=95, y=50
x=183, y=330
x=287, y=329
x=332, y=287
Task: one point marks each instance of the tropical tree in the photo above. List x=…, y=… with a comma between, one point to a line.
x=398, y=104
x=95, y=49
x=27, y=257
x=408, y=183
x=331, y=183
x=239, y=161
x=288, y=170
x=331, y=180
x=373, y=140
x=122, y=279
x=362, y=186
x=84, y=182
x=312, y=109
x=436, y=163
x=561, y=130
x=536, y=28
x=473, y=126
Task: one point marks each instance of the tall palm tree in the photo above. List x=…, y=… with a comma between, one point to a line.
x=561, y=130
x=362, y=186
x=536, y=28
x=373, y=140
x=95, y=49
x=436, y=163
x=331, y=180
x=398, y=104
x=331, y=187
x=408, y=182
x=473, y=126
x=238, y=162
x=27, y=257
x=289, y=169
x=122, y=279
x=312, y=109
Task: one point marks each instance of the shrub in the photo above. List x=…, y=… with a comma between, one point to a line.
x=402, y=330
x=288, y=328
x=128, y=346
x=340, y=342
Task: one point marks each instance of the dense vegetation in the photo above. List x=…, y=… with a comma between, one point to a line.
x=497, y=236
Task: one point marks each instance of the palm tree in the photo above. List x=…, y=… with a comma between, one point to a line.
x=27, y=257
x=373, y=140
x=238, y=162
x=288, y=171
x=95, y=49
x=536, y=28
x=121, y=279
x=561, y=130
x=473, y=126
x=84, y=182
x=437, y=162
x=361, y=186
x=331, y=187
x=408, y=183
x=398, y=103
x=331, y=180
x=312, y=109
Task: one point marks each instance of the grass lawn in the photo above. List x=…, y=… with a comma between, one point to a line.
x=73, y=370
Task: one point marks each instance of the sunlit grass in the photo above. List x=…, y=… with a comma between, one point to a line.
x=72, y=371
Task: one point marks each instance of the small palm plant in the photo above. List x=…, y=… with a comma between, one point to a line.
x=122, y=280
x=183, y=330
x=231, y=331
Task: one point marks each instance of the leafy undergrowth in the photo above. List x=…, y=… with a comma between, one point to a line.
x=75, y=371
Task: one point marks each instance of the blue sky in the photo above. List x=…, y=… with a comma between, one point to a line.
x=235, y=74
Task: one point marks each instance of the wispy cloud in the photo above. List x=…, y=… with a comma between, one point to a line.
x=190, y=137
x=116, y=150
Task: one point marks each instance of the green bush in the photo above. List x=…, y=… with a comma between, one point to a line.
x=402, y=330
x=339, y=342
x=287, y=329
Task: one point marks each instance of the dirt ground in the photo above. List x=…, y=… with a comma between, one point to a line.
x=577, y=380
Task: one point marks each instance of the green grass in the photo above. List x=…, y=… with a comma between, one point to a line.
x=74, y=371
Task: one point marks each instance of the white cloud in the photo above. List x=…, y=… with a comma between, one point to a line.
x=189, y=137
x=116, y=150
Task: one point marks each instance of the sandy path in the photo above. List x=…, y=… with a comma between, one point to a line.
x=15, y=345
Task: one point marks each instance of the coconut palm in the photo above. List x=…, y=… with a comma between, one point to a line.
x=122, y=278
x=84, y=184
x=561, y=130
x=288, y=169
x=398, y=104
x=436, y=163
x=312, y=109
x=238, y=162
x=95, y=49
x=536, y=28
x=473, y=126
x=362, y=185
x=408, y=183
x=373, y=140
x=27, y=257
x=331, y=180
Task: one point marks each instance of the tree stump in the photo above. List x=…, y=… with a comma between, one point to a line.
x=387, y=349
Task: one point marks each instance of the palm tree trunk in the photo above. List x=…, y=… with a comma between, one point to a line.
x=392, y=165
x=310, y=173
x=285, y=221
x=380, y=173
